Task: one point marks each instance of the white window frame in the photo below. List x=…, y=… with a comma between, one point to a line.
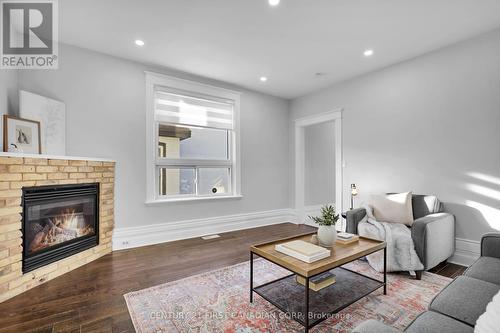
x=152, y=160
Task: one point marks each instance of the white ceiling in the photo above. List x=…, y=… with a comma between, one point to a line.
x=238, y=41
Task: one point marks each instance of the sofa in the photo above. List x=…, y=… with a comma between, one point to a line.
x=458, y=306
x=433, y=231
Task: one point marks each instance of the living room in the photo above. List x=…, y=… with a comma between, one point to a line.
x=190, y=166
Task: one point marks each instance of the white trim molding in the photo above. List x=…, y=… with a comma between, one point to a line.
x=300, y=124
x=124, y=238
x=466, y=251
x=191, y=199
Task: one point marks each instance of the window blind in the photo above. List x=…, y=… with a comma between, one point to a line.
x=189, y=110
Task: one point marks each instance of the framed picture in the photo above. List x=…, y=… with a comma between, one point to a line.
x=21, y=135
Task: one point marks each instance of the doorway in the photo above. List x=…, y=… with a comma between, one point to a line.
x=318, y=164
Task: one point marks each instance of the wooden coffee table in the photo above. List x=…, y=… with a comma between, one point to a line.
x=307, y=307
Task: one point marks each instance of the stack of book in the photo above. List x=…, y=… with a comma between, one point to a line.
x=346, y=238
x=302, y=250
x=318, y=282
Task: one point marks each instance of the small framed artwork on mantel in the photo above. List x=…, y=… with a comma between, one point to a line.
x=21, y=135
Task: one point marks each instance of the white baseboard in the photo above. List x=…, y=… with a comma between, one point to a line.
x=124, y=238
x=466, y=252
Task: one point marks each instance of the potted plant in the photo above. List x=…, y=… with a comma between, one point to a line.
x=327, y=234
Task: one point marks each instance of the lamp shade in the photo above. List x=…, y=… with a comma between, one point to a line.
x=354, y=190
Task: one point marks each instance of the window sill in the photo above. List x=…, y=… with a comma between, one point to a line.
x=172, y=200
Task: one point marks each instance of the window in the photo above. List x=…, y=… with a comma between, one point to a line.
x=193, y=140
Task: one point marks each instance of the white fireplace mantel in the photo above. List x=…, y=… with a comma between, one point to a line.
x=55, y=157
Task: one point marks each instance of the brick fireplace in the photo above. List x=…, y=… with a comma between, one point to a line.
x=68, y=217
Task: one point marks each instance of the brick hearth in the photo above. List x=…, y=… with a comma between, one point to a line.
x=17, y=172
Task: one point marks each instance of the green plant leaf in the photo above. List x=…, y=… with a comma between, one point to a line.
x=328, y=216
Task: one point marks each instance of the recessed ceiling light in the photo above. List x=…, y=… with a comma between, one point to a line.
x=263, y=79
x=139, y=42
x=274, y=2
x=368, y=53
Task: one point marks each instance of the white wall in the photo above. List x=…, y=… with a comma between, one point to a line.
x=9, y=97
x=425, y=125
x=319, y=158
x=429, y=125
x=105, y=103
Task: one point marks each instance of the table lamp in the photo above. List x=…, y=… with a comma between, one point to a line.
x=354, y=192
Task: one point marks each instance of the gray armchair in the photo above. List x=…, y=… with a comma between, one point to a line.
x=433, y=231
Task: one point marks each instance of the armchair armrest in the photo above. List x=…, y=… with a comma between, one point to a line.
x=490, y=245
x=373, y=326
x=434, y=238
x=353, y=217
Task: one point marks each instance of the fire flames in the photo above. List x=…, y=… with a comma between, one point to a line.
x=65, y=226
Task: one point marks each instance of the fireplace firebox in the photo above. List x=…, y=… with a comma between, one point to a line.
x=58, y=221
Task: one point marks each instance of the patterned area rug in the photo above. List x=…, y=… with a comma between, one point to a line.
x=218, y=301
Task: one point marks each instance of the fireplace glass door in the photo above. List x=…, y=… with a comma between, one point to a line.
x=58, y=222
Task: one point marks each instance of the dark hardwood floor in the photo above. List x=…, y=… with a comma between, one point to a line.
x=448, y=269
x=90, y=298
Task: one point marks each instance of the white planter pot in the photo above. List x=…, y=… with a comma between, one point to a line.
x=327, y=235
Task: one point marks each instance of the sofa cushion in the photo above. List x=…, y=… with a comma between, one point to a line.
x=464, y=299
x=394, y=208
x=432, y=322
x=486, y=269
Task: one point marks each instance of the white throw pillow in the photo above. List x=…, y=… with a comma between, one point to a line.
x=395, y=208
x=489, y=322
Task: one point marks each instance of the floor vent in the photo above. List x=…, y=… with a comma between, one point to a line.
x=210, y=237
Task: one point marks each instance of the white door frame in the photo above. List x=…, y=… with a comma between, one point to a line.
x=300, y=124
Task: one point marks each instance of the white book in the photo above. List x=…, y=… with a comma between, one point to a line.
x=345, y=235
x=300, y=256
x=304, y=247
